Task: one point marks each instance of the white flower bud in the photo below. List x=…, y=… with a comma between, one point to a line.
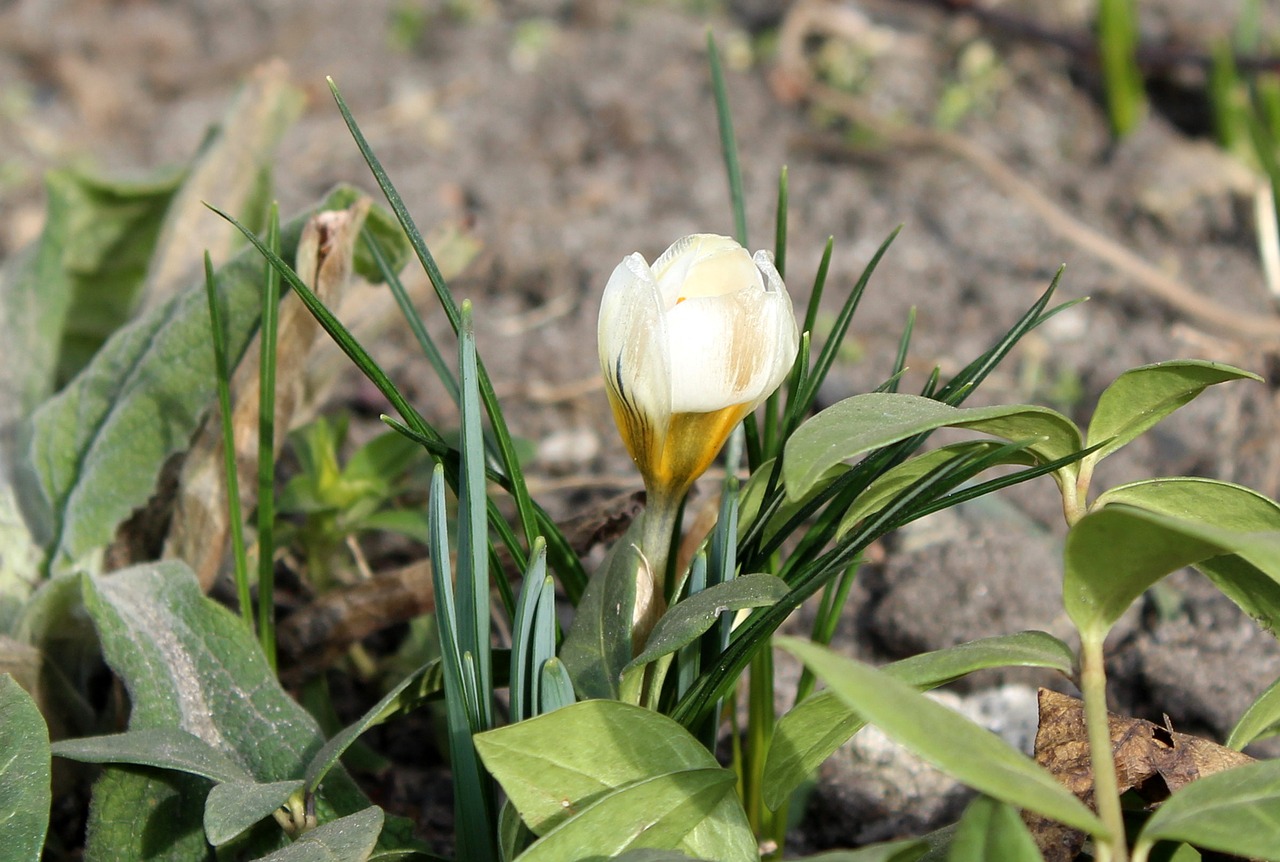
x=690, y=346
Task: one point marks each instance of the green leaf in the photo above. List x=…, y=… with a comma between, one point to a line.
x=992, y=830
x=908, y=850
x=187, y=662
x=347, y=839
x=598, y=645
x=812, y=731
x=1139, y=398
x=1261, y=719
x=389, y=705
x=1208, y=501
x=233, y=807
x=1235, y=812
x=655, y=813
x=232, y=169
x=1220, y=505
x=562, y=762
x=651, y=855
x=1115, y=553
x=863, y=423
x=689, y=618
x=751, y=498
x=895, y=480
x=25, y=789
x=92, y=453
x=950, y=742
x=161, y=747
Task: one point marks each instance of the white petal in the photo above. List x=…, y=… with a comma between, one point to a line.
x=703, y=264
x=632, y=339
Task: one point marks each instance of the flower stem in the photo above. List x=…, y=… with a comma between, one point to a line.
x=655, y=544
x=1106, y=794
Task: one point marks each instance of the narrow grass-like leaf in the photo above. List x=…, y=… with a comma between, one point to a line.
x=233, y=807
x=472, y=801
x=892, y=482
x=992, y=830
x=951, y=742
x=473, y=537
x=866, y=422
x=555, y=689
x=1260, y=720
x=222, y=370
x=415, y=424
x=959, y=387
x=545, y=627
x=1117, y=49
x=827, y=356
x=811, y=574
x=25, y=790
x=510, y=462
x=688, y=619
x=811, y=732
x=411, y=316
x=1141, y=397
x=728, y=143
x=267, y=447
x=522, y=685
x=161, y=747
x=1236, y=812
x=347, y=839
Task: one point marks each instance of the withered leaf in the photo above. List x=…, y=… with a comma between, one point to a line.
x=1151, y=760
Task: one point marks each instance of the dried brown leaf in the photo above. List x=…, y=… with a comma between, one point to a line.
x=1151, y=760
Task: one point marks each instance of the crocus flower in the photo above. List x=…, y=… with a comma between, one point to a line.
x=689, y=346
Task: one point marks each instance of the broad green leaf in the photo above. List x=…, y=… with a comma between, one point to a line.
x=1140, y=397
x=20, y=555
x=347, y=839
x=1235, y=812
x=25, y=788
x=654, y=813
x=690, y=617
x=598, y=645
x=650, y=855
x=863, y=423
x=812, y=731
x=908, y=850
x=115, y=229
x=97, y=235
x=188, y=663
x=897, y=479
x=1115, y=553
x=161, y=747
x=232, y=170
x=992, y=830
x=92, y=453
x=233, y=807
x=946, y=739
x=1208, y=501
x=579, y=753
x=1222, y=505
x=141, y=813
x=1261, y=719
x=563, y=761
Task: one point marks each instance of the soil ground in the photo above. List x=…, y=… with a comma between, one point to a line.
x=565, y=134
